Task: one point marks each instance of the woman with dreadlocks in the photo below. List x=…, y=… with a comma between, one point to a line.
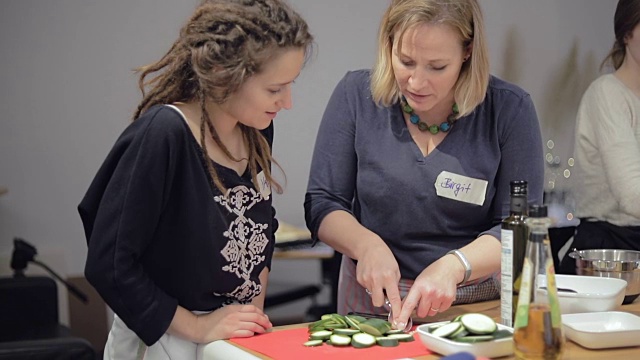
x=178, y=219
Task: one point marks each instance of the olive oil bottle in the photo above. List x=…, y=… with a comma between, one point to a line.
x=538, y=324
x=514, y=243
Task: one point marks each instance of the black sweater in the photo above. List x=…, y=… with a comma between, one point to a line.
x=160, y=235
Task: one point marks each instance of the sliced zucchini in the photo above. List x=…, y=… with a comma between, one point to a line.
x=337, y=318
x=320, y=335
x=395, y=331
x=362, y=340
x=478, y=324
x=501, y=334
x=402, y=337
x=375, y=327
x=316, y=324
x=340, y=340
x=352, y=321
x=348, y=332
x=313, y=343
x=473, y=338
x=357, y=318
x=447, y=329
x=460, y=333
x=385, y=341
x=316, y=328
x=433, y=327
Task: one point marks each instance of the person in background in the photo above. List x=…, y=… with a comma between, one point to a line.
x=607, y=147
x=178, y=219
x=412, y=163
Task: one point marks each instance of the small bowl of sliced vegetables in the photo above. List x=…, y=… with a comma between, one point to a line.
x=474, y=333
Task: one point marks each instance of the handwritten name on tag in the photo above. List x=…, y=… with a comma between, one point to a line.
x=461, y=188
x=263, y=185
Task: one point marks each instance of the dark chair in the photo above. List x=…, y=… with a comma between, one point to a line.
x=29, y=325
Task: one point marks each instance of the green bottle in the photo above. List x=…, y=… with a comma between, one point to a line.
x=514, y=243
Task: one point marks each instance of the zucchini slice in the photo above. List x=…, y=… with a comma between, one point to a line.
x=313, y=343
x=501, y=334
x=340, y=340
x=354, y=321
x=348, y=332
x=375, y=327
x=473, y=338
x=478, y=324
x=362, y=340
x=320, y=335
x=402, y=337
x=462, y=331
x=386, y=341
x=433, y=327
x=447, y=329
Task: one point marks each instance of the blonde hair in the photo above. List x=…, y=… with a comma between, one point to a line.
x=223, y=44
x=465, y=17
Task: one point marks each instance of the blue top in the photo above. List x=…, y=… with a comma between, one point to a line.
x=161, y=235
x=365, y=162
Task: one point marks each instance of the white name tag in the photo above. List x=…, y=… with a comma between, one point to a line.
x=263, y=185
x=461, y=188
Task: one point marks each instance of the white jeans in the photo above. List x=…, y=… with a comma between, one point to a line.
x=124, y=344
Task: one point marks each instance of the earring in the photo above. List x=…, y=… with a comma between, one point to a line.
x=465, y=58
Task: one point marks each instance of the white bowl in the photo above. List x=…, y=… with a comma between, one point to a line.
x=601, y=330
x=494, y=348
x=592, y=293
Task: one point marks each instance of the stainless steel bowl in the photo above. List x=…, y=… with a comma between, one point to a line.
x=620, y=264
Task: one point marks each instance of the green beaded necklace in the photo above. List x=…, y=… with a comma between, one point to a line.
x=445, y=126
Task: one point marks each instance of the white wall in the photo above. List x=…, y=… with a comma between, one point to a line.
x=67, y=91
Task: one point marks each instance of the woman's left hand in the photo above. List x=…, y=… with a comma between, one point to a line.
x=433, y=291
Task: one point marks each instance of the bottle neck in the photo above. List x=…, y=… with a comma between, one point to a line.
x=538, y=228
x=518, y=205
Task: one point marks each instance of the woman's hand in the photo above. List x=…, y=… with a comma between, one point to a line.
x=227, y=322
x=231, y=321
x=434, y=290
x=378, y=271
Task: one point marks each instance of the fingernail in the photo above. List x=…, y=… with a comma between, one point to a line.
x=400, y=325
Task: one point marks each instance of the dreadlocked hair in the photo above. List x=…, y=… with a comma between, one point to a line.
x=223, y=44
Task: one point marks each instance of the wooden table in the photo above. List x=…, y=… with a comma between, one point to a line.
x=572, y=351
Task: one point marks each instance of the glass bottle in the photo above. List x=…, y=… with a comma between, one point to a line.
x=538, y=324
x=514, y=243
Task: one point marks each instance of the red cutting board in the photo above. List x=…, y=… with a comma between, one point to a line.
x=287, y=345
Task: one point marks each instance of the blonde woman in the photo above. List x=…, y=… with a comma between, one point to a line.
x=412, y=163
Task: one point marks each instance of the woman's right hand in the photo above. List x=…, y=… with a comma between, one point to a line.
x=378, y=271
x=232, y=321
x=227, y=322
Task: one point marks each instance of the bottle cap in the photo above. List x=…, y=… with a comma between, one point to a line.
x=538, y=211
x=518, y=187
